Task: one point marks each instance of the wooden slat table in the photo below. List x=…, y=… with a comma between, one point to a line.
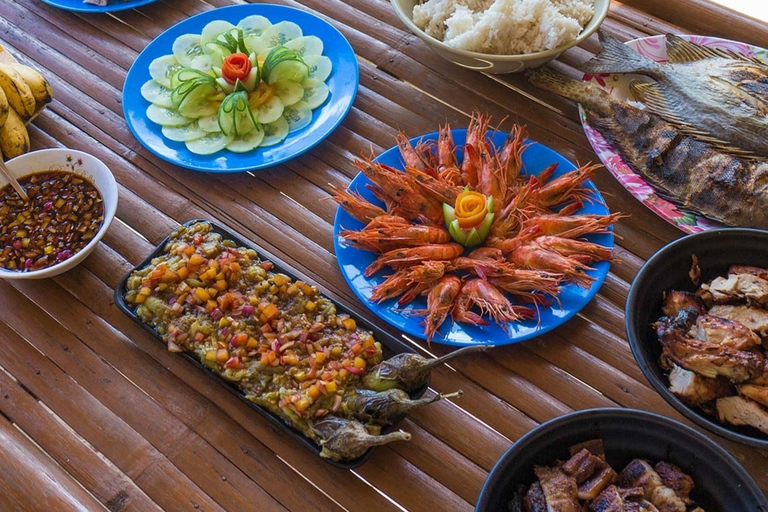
x=96, y=414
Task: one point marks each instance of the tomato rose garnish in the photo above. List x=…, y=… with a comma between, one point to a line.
x=236, y=67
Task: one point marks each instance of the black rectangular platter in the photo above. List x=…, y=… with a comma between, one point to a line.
x=390, y=345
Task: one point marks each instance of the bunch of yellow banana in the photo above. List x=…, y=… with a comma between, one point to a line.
x=23, y=94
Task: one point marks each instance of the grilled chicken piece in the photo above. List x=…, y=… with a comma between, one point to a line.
x=674, y=478
x=675, y=301
x=762, y=379
x=559, y=489
x=738, y=410
x=754, y=318
x=710, y=359
x=722, y=290
x=608, y=501
x=694, y=389
x=639, y=473
x=595, y=485
x=757, y=393
x=534, y=500
x=748, y=269
x=722, y=331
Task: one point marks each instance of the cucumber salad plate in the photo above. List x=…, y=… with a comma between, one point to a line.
x=240, y=88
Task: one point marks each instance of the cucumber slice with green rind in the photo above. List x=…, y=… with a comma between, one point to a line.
x=289, y=92
x=213, y=29
x=306, y=45
x=271, y=110
x=209, y=144
x=186, y=47
x=235, y=115
x=256, y=44
x=298, y=116
x=282, y=32
x=183, y=133
x=163, y=68
x=199, y=102
x=253, y=25
x=275, y=132
x=320, y=67
x=166, y=116
x=155, y=93
x=248, y=142
x=315, y=92
x=293, y=70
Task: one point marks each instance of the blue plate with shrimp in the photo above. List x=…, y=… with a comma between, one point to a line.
x=571, y=298
x=112, y=5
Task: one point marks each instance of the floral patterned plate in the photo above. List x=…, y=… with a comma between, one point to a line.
x=653, y=47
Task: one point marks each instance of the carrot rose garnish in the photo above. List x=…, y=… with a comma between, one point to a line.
x=469, y=220
x=236, y=67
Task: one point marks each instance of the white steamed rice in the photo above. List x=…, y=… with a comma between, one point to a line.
x=505, y=27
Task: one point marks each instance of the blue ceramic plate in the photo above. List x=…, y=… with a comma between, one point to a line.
x=342, y=84
x=572, y=298
x=113, y=5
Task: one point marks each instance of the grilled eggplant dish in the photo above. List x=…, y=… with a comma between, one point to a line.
x=713, y=346
x=281, y=342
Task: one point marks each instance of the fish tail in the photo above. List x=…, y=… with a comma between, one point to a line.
x=582, y=92
x=617, y=57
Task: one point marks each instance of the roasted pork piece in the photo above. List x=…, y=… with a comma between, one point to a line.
x=639, y=488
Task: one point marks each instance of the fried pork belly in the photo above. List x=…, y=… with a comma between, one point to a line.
x=694, y=389
x=722, y=290
x=534, y=500
x=725, y=332
x=753, y=318
x=582, y=465
x=674, y=478
x=560, y=490
x=640, y=473
x=639, y=506
x=738, y=410
x=590, y=489
x=757, y=393
x=608, y=501
x=593, y=446
x=675, y=301
x=710, y=359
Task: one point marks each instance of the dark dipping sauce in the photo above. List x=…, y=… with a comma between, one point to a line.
x=64, y=213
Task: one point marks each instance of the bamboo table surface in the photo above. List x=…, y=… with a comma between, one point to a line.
x=96, y=414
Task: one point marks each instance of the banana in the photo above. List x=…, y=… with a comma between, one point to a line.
x=14, y=138
x=4, y=107
x=17, y=91
x=40, y=87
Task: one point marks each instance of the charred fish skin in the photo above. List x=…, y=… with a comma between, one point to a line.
x=699, y=90
x=684, y=170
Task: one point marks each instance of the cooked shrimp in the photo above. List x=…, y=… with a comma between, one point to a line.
x=491, y=301
x=355, y=204
x=414, y=255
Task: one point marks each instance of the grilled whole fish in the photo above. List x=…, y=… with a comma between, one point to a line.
x=717, y=96
x=684, y=170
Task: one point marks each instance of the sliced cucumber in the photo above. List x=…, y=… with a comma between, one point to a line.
x=293, y=70
x=190, y=75
x=253, y=25
x=282, y=32
x=306, y=45
x=199, y=102
x=275, y=132
x=212, y=30
x=289, y=92
x=205, y=62
x=155, y=93
x=248, y=142
x=166, y=116
x=315, y=92
x=183, y=133
x=320, y=67
x=298, y=116
x=163, y=68
x=209, y=144
x=235, y=115
x=256, y=44
x=209, y=123
x=271, y=110
x=186, y=47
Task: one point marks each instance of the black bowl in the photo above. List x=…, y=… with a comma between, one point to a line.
x=722, y=484
x=668, y=269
